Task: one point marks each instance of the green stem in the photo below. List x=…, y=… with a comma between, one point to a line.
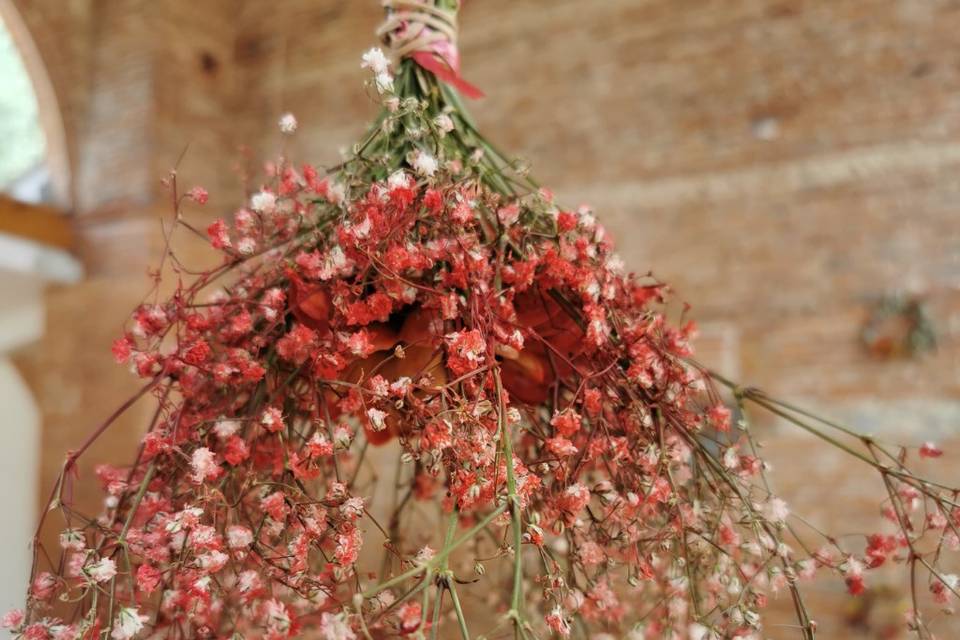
x=516, y=601
x=461, y=620
x=437, y=559
x=444, y=572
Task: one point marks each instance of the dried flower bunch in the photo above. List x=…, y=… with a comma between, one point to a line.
x=563, y=467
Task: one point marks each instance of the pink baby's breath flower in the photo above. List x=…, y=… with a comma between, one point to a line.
x=213, y=561
x=342, y=437
x=509, y=214
x=12, y=619
x=352, y=508
x=557, y=622
x=277, y=617
x=424, y=556
x=561, y=447
x=44, y=586
x=591, y=554
x=409, y=614
x=239, y=537
x=272, y=420
x=776, y=510
x=360, y=344
x=275, y=506
x=719, y=416
x=198, y=195
x=73, y=540
x=101, y=570
x=944, y=588
x=598, y=328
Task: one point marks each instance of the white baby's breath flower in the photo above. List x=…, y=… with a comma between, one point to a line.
x=587, y=220
x=852, y=568
x=424, y=164
x=342, y=437
x=444, y=123
x=337, y=193
x=375, y=60
x=288, y=123
x=226, y=428
x=263, y=202
x=334, y=626
x=398, y=180
x=129, y=622
x=239, y=537
x=775, y=510
x=204, y=464
x=384, y=82
x=377, y=419
x=247, y=246
x=73, y=539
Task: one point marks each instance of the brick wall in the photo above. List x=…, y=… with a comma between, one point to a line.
x=780, y=162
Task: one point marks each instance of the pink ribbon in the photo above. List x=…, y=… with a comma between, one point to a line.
x=443, y=60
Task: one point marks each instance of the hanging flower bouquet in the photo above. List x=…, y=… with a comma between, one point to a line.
x=563, y=467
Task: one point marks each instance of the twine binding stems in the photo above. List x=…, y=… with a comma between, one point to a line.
x=426, y=33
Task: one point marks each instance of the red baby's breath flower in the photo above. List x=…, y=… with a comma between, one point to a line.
x=566, y=423
x=466, y=351
x=122, y=348
x=219, y=234
x=930, y=450
x=197, y=353
x=409, y=616
x=148, y=578
x=719, y=416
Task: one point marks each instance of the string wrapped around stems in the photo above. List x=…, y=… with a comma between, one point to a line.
x=426, y=33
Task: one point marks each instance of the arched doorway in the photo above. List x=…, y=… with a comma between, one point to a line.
x=34, y=243
x=34, y=164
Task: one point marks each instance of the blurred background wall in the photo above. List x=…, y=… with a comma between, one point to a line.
x=790, y=166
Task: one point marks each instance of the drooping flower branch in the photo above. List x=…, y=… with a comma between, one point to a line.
x=553, y=436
